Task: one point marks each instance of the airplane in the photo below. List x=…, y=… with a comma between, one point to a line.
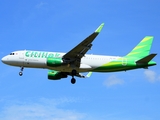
x=76, y=61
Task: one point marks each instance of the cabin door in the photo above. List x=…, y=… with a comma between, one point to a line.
x=124, y=61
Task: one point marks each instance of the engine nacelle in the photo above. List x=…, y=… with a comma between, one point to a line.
x=54, y=62
x=55, y=75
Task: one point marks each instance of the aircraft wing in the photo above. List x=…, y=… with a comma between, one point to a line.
x=75, y=55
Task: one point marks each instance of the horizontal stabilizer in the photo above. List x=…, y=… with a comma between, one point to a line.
x=146, y=59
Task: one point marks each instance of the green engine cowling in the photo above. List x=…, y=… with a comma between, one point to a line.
x=54, y=62
x=55, y=75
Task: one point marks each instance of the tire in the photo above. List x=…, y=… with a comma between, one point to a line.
x=73, y=80
x=20, y=73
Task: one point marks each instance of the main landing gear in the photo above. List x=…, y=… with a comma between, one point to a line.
x=73, y=80
x=21, y=72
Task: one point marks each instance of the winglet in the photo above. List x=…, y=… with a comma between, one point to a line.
x=98, y=30
x=89, y=74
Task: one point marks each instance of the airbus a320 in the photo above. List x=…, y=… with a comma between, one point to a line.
x=76, y=61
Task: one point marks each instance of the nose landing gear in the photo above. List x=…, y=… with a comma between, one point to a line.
x=21, y=72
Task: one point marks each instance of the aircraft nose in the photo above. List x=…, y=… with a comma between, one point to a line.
x=4, y=59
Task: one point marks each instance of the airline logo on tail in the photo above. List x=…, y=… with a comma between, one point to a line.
x=142, y=49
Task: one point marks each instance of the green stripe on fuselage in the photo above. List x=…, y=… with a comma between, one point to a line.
x=115, y=65
x=122, y=64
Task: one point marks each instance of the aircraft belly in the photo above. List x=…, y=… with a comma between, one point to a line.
x=85, y=66
x=94, y=63
x=35, y=63
x=16, y=63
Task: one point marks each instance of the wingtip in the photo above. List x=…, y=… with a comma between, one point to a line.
x=98, y=30
x=89, y=74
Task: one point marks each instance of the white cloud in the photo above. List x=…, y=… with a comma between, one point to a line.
x=113, y=80
x=151, y=76
x=41, y=4
x=44, y=109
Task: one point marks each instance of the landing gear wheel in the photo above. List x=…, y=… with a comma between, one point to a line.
x=20, y=73
x=73, y=80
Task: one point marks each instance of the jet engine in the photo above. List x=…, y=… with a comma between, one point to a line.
x=54, y=62
x=56, y=75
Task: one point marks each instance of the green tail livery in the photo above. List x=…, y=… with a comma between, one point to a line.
x=76, y=61
x=139, y=57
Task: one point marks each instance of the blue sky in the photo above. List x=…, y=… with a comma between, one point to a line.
x=59, y=26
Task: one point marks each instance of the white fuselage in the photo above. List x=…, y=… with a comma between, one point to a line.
x=38, y=59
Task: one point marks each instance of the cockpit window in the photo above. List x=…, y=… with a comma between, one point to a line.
x=11, y=53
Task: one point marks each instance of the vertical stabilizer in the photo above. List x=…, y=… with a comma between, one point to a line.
x=142, y=49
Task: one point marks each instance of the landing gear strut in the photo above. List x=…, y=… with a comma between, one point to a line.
x=21, y=72
x=74, y=72
x=73, y=80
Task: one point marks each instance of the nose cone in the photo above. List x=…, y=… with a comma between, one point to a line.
x=4, y=60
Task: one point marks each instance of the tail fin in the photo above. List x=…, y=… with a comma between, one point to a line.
x=142, y=49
